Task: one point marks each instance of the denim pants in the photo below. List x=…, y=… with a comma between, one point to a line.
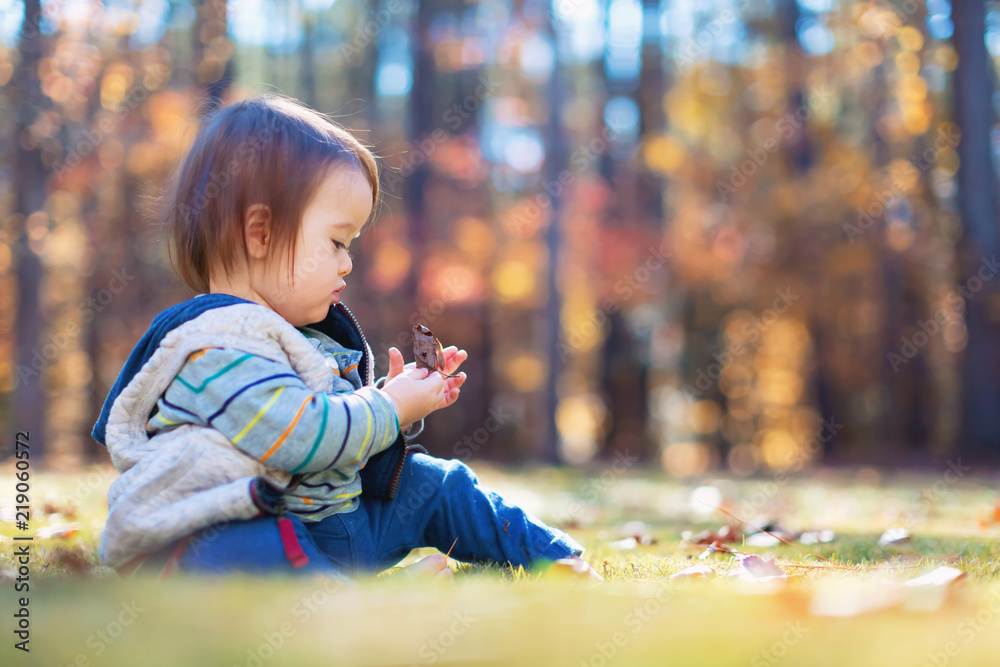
x=439, y=502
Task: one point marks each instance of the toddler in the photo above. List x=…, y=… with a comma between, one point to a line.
x=246, y=424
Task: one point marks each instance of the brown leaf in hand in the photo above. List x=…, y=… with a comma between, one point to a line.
x=427, y=350
x=726, y=535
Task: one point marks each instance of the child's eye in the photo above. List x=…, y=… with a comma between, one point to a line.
x=341, y=245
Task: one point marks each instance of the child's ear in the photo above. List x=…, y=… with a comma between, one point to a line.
x=257, y=229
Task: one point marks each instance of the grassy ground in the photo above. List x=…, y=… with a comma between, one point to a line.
x=83, y=614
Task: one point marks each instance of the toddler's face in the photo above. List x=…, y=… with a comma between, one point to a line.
x=334, y=217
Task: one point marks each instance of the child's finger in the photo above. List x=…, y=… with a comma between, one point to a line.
x=451, y=397
x=395, y=362
x=455, y=360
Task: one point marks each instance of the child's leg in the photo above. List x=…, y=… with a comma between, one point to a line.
x=251, y=546
x=438, y=501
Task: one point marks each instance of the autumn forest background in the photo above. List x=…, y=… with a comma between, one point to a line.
x=721, y=235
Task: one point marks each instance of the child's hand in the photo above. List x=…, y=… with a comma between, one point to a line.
x=415, y=392
x=453, y=358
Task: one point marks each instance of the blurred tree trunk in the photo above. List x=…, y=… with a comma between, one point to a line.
x=624, y=381
x=547, y=448
x=639, y=200
x=903, y=427
x=308, y=73
x=974, y=86
x=421, y=125
x=30, y=187
x=212, y=63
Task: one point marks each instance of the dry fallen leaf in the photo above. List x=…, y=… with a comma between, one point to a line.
x=756, y=570
x=713, y=549
x=638, y=531
x=694, y=572
x=626, y=544
x=929, y=591
x=848, y=596
x=943, y=576
x=725, y=535
x=768, y=526
x=427, y=350
x=765, y=540
x=633, y=534
x=64, y=531
x=817, y=536
x=992, y=518
x=572, y=568
x=894, y=536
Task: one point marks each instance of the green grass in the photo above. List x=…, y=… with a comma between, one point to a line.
x=490, y=615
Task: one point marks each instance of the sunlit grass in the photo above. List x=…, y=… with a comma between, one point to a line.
x=489, y=614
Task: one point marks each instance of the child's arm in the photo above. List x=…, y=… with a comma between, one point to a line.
x=264, y=408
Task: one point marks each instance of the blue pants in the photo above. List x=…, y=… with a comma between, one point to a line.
x=438, y=501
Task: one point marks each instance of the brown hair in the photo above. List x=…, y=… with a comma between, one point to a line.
x=266, y=149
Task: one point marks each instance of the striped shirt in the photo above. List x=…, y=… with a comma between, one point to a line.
x=265, y=409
